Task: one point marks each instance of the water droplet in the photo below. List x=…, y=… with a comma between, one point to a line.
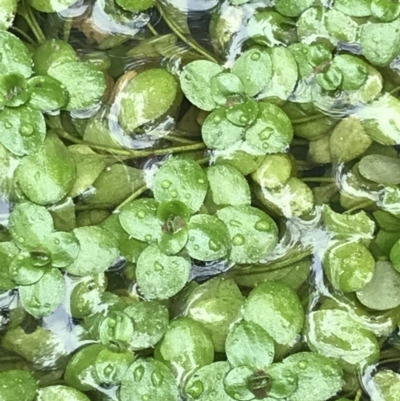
x=243, y=119
x=21, y=240
x=217, y=119
x=145, y=397
x=302, y=364
x=166, y=184
x=37, y=176
x=108, y=370
x=238, y=240
x=26, y=130
x=8, y=124
x=255, y=56
x=111, y=323
x=262, y=225
x=196, y=389
x=35, y=301
x=138, y=373
x=141, y=214
x=214, y=246
x=196, y=247
x=20, y=257
x=148, y=237
x=158, y=267
x=157, y=378
x=201, y=181
x=235, y=223
x=30, y=186
x=56, y=241
x=265, y=146
x=219, y=376
x=174, y=194
x=188, y=196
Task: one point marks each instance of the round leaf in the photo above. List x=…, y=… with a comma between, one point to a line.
x=355, y=8
x=225, y=85
x=181, y=179
x=23, y=271
x=236, y=383
x=83, y=82
x=47, y=94
x=195, y=82
x=60, y=393
x=14, y=90
x=274, y=172
x=253, y=233
x=254, y=68
x=385, y=385
x=248, y=344
x=354, y=71
x=22, y=130
x=283, y=314
x=243, y=114
x=50, y=6
x=160, y=276
x=136, y=5
x=116, y=328
x=385, y=10
x=47, y=176
x=62, y=247
x=284, y=381
x=381, y=169
x=7, y=252
x=44, y=297
x=146, y=97
x=293, y=8
x=148, y=379
x=150, y=320
x=8, y=8
x=111, y=366
x=98, y=251
x=208, y=238
x=18, y=385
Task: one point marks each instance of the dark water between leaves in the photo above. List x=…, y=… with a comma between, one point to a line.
x=332, y=189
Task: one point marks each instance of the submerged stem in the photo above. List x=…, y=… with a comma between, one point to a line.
x=132, y=197
x=27, y=13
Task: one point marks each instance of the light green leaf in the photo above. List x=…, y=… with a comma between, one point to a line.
x=236, y=383
x=225, y=86
x=242, y=113
x=385, y=10
x=7, y=253
x=146, y=97
x=354, y=71
x=18, y=385
x=116, y=328
x=60, y=393
x=63, y=214
x=342, y=27
x=195, y=82
x=111, y=366
x=355, y=8
x=385, y=385
x=293, y=8
x=98, y=251
x=44, y=297
x=283, y=315
x=14, y=90
x=22, y=130
x=23, y=270
x=160, y=276
x=62, y=247
x=381, y=169
x=136, y=5
x=311, y=27
x=8, y=8
x=51, y=6
x=253, y=233
x=47, y=176
x=274, y=172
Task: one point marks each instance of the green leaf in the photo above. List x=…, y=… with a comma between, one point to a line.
x=44, y=297
x=272, y=132
x=22, y=130
x=253, y=233
x=395, y=255
x=198, y=350
x=116, y=328
x=150, y=321
x=52, y=53
x=160, y=276
x=208, y=238
x=336, y=335
x=63, y=214
x=311, y=27
x=113, y=186
x=217, y=315
x=85, y=298
x=207, y=383
x=98, y=251
x=8, y=9
x=15, y=56
x=148, y=379
x=146, y=97
x=7, y=252
x=224, y=86
x=18, y=385
x=320, y=378
x=136, y=5
x=387, y=221
x=294, y=199
x=284, y=381
x=112, y=366
x=14, y=90
x=50, y=6
x=274, y=172
x=331, y=79
x=47, y=94
x=385, y=385
x=60, y=393
x=62, y=247
x=354, y=71
x=283, y=315
x=139, y=219
x=352, y=226
x=379, y=42
x=348, y=140
x=236, y=383
x=254, y=68
x=218, y=132
x=349, y=266
x=242, y=114
x=23, y=270
x=381, y=169
x=248, y=344
x=195, y=82
x=354, y=8
x=284, y=77
x=385, y=10
x=227, y=186
x=30, y=225
x=47, y=176
x=171, y=244
x=84, y=83
x=342, y=27
x=292, y=8
x=181, y=179
x=382, y=292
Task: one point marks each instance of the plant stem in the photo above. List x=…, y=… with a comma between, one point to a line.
x=179, y=139
x=152, y=29
x=362, y=205
x=189, y=41
x=137, y=193
x=24, y=35
x=134, y=154
x=394, y=90
x=307, y=119
x=29, y=17
x=319, y=179
x=358, y=395
x=67, y=29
